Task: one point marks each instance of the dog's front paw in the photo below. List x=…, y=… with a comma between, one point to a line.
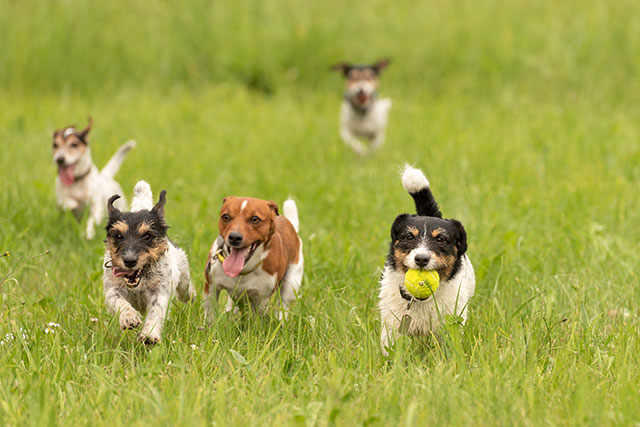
x=150, y=338
x=130, y=319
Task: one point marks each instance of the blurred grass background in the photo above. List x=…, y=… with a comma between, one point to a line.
x=524, y=115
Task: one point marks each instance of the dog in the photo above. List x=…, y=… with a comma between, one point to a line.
x=142, y=267
x=363, y=115
x=257, y=253
x=79, y=182
x=429, y=242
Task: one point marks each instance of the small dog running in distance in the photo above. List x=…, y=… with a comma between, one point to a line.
x=257, y=253
x=79, y=182
x=143, y=269
x=363, y=115
x=429, y=242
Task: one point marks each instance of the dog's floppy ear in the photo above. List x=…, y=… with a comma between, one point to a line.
x=461, y=237
x=397, y=225
x=84, y=135
x=381, y=64
x=273, y=206
x=112, y=210
x=343, y=66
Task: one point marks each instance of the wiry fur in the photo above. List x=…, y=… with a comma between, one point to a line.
x=92, y=187
x=438, y=244
x=363, y=115
x=164, y=269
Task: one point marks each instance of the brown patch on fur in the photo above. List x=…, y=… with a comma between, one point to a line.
x=399, y=257
x=435, y=233
x=284, y=249
x=445, y=264
x=240, y=219
x=275, y=231
x=154, y=253
x=120, y=226
x=414, y=231
x=144, y=228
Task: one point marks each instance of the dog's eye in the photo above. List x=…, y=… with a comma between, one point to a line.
x=226, y=218
x=441, y=239
x=74, y=145
x=409, y=236
x=255, y=220
x=118, y=236
x=55, y=146
x=147, y=236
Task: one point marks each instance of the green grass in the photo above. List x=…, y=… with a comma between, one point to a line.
x=524, y=116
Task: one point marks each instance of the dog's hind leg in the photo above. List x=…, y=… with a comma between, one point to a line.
x=185, y=290
x=290, y=286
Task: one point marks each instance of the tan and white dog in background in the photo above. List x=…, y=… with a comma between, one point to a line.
x=80, y=183
x=363, y=116
x=257, y=253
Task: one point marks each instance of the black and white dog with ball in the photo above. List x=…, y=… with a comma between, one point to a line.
x=420, y=244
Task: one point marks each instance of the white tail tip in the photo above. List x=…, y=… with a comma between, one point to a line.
x=413, y=180
x=290, y=211
x=142, y=197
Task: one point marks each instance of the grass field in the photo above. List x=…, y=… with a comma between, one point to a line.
x=524, y=115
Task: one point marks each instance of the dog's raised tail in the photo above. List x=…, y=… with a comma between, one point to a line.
x=113, y=165
x=290, y=211
x=414, y=181
x=142, y=197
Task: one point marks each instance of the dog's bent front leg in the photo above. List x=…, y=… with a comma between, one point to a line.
x=128, y=316
x=96, y=213
x=378, y=140
x=353, y=142
x=156, y=314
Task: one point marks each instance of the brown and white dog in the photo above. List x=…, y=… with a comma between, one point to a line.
x=363, y=115
x=79, y=183
x=257, y=253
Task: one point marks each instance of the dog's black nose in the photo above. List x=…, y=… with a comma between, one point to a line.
x=60, y=161
x=130, y=261
x=235, y=238
x=421, y=260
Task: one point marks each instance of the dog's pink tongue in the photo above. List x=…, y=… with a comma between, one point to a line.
x=66, y=175
x=234, y=263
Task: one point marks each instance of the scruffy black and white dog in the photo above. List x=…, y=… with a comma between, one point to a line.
x=429, y=242
x=142, y=268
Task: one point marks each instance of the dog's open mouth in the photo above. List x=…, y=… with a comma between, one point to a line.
x=362, y=98
x=131, y=277
x=65, y=173
x=237, y=259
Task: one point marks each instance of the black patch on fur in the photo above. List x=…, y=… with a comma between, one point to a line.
x=426, y=204
x=132, y=241
x=403, y=239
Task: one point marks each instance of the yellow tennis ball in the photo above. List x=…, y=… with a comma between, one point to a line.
x=421, y=283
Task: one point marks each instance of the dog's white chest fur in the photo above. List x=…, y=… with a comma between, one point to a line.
x=424, y=317
x=257, y=285
x=369, y=123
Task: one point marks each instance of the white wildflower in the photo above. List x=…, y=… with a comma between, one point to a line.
x=194, y=347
